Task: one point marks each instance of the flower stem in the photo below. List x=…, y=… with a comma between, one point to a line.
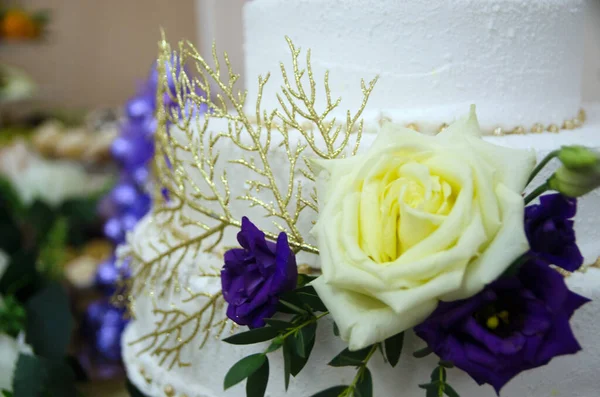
x=537, y=192
x=304, y=324
x=361, y=369
x=542, y=164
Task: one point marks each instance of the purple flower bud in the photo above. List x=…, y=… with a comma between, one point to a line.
x=121, y=148
x=107, y=274
x=124, y=195
x=140, y=107
x=128, y=221
x=108, y=341
x=140, y=175
x=114, y=231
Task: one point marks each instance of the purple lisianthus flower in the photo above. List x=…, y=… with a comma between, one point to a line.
x=549, y=229
x=514, y=324
x=255, y=275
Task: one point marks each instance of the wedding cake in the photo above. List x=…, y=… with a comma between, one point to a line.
x=520, y=62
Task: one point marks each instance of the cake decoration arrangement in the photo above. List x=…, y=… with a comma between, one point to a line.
x=303, y=244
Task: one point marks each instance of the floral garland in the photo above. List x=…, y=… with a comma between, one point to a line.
x=430, y=233
x=506, y=311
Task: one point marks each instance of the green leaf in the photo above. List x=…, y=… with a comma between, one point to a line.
x=431, y=388
x=334, y=391
x=288, y=307
x=41, y=216
x=336, y=330
x=313, y=301
x=364, y=387
x=256, y=335
x=6, y=393
x=449, y=391
x=380, y=348
x=52, y=254
x=10, y=209
x=243, y=369
x=9, y=198
x=49, y=322
x=61, y=379
x=288, y=354
x=393, y=348
x=257, y=382
x=81, y=213
x=133, y=390
x=12, y=316
x=29, y=377
x=513, y=269
x=424, y=352
x=20, y=278
x=304, y=279
x=304, y=338
x=298, y=362
x=280, y=325
x=353, y=359
x=35, y=376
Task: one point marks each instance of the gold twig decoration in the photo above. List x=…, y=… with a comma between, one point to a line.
x=200, y=113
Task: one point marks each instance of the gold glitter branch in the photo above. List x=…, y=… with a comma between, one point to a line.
x=176, y=328
x=199, y=208
x=192, y=173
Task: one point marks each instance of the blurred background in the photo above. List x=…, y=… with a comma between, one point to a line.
x=77, y=83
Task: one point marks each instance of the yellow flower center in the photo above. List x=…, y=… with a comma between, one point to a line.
x=400, y=206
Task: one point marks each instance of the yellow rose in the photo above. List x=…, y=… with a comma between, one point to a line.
x=414, y=220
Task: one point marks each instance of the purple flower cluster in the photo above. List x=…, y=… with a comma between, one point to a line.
x=255, y=275
x=519, y=321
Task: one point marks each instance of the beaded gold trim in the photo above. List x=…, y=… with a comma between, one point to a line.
x=537, y=128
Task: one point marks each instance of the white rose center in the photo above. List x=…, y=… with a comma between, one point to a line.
x=400, y=205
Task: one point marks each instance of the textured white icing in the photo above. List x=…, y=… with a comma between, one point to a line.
x=520, y=61
x=573, y=376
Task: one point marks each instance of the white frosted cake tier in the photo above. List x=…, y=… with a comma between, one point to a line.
x=210, y=359
x=520, y=61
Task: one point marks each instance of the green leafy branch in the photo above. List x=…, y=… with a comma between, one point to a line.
x=362, y=384
x=438, y=386
x=295, y=337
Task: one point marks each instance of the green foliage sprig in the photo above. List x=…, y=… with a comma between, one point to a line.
x=293, y=331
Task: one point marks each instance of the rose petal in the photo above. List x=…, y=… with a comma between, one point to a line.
x=363, y=321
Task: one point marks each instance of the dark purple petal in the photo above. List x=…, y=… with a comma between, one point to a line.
x=559, y=204
x=559, y=341
x=266, y=311
x=255, y=275
x=549, y=229
x=574, y=302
